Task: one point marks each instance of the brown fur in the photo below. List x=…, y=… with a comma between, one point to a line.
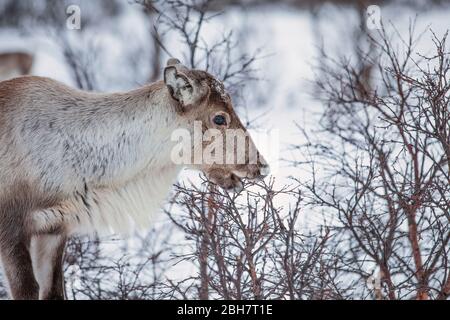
x=17, y=63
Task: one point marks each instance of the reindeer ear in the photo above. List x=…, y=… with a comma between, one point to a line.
x=178, y=83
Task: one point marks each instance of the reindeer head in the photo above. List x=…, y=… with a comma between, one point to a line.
x=226, y=151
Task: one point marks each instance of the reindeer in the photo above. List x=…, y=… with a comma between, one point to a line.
x=15, y=64
x=76, y=162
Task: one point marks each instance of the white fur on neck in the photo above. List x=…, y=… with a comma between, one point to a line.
x=111, y=210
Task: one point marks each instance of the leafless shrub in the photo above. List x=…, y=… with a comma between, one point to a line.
x=247, y=247
x=385, y=173
x=109, y=269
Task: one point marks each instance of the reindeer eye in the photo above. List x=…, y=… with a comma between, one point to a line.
x=220, y=120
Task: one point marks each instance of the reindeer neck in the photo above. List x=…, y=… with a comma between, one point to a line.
x=126, y=133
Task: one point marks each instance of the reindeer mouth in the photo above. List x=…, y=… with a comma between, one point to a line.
x=237, y=184
x=229, y=182
x=233, y=181
x=256, y=174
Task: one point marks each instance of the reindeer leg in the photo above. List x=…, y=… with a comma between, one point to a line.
x=47, y=252
x=14, y=250
x=18, y=268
